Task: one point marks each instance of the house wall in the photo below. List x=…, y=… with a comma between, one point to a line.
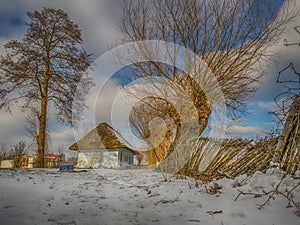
x=97, y=158
x=117, y=158
x=110, y=159
x=6, y=164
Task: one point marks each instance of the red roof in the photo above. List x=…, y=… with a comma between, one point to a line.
x=51, y=155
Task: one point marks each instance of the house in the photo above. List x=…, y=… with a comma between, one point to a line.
x=28, y=161
x=104, y=147
x=6, y=163
x=24, y=161
x=53, y=160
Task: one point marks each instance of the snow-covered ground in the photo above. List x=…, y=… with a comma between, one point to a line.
x=138, y=197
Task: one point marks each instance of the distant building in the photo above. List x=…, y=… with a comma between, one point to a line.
x=6, y=163
x=53, y=160
x=28, y=161
x=104, y=147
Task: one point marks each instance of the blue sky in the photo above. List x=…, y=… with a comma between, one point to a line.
x=98, y=20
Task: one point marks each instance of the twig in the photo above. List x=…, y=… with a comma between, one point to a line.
x=212, y=213
x=256, y=195
x=288, y=195
x=276, y=191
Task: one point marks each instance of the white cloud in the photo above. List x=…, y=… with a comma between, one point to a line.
x=12, y=127
x=64, y=136
x=245, y=130
x=97, y=19
x=267, y=105
x=282, y=55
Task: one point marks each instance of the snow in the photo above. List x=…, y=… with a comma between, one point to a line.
x=103, y=196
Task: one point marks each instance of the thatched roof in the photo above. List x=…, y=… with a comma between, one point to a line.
x=101, y=137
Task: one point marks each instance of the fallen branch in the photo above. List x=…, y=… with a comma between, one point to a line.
x=212, y=213
x=288, y=194
x=272, y=193
x=256, y=195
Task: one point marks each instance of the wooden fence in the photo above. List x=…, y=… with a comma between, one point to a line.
x=233, y=157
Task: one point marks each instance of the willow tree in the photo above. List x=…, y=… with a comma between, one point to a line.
x=159, y=140
x=46, y=68
x=231, y=36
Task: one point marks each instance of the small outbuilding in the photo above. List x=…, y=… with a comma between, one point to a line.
x=103, y=147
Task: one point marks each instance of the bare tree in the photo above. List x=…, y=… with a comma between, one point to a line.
x=47, y=65
x=31, y=128
x=61, y=152
x=285, y=99
x=140, y=119
x=3, y=147
x=230, y=36
x=16, y=154
x=3, y=152
x=287, y=152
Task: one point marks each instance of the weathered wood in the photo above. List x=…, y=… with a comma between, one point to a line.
x=236, y=156
x=288, y=149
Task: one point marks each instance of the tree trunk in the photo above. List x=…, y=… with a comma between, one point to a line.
x=41, y=137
